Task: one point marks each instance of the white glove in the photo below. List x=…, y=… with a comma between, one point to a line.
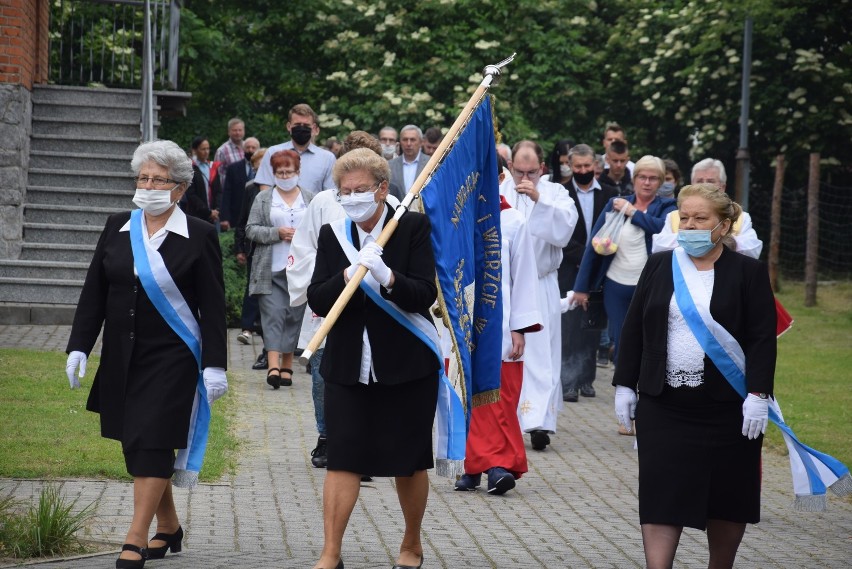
x=567, y=303
x=216, y=383
x=74, y=360
x=371, y=257
x=755, y=415
x=625, y=406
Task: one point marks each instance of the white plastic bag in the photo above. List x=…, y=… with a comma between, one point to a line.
x=605, y=241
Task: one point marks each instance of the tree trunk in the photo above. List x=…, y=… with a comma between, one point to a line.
x=812, y=244
x=775, y=222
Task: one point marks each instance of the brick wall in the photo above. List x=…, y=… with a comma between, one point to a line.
x=23, y=42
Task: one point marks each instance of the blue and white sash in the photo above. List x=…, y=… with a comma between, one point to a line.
x=812, y=470
x=169, y=302
x=450, y=427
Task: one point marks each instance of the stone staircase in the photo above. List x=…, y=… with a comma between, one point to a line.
x=79, y=174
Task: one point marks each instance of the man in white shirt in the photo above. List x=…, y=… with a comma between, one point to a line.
x=315, y=172
x=406, y=167
x=551, y=216
x=710, y=171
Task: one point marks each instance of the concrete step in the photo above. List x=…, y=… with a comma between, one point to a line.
x=89, y=129
x=96, y=109
x=16, y=313
x=79, y=161
x=64, y=252
x=56, y=233
x=40, y=291
x=69, y=214
x=121, y=199
x=85, y=95
x=61, y=270
x=61, y=143
x=96, y=180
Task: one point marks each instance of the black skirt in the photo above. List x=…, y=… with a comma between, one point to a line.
x=381, y=430
x=694, y=462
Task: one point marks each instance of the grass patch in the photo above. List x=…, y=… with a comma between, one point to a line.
x=47, y=432
x=46, y=529
x=812, y=375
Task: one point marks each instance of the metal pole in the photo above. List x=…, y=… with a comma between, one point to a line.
x=174, y=38
x=742, y=153
x=147, y=79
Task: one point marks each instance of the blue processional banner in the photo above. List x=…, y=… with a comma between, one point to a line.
x=462, y=200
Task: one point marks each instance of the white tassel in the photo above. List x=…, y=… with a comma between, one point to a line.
x=809, y=503
x=843, y=485
x=185, y=478
x=449, y=468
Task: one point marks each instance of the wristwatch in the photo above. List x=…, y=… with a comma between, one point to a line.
x=761, y=395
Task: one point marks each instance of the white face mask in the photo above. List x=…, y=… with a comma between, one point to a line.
x=565, y=170
x=286, y=184
x=388, y=151
x=153, y=202
x=359, y=207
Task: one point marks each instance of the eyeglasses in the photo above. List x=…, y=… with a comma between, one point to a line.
x=652, y=179
x=362, y=190
x=531, y=174
x=156, y=181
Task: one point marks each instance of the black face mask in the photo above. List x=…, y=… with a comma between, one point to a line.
x=248, y=156
x=301, y=134
x=585, y=177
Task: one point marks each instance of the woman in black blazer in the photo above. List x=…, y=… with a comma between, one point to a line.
x=699, y=441
x=381, y=380
x=147, y=384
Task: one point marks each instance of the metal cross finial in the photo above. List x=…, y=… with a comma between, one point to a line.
x=495, y=70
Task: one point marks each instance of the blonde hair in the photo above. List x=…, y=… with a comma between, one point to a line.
x=361, y=159
x=652, y=163
x=721, y=203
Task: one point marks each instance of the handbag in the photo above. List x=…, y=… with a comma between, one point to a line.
x=605, y=241
x=594, y=317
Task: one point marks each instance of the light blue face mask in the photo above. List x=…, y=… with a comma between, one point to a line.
x=666, y=189
x=697, y=242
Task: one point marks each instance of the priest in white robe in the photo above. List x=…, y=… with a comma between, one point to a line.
x=551, y=216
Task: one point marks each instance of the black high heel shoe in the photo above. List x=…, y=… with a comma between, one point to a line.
x=131, y=563
x=173, y=542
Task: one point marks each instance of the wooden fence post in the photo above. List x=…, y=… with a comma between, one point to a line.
x=812, y=244
x=775, y=222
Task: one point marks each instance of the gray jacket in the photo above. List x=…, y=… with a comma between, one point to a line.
x=260, y=230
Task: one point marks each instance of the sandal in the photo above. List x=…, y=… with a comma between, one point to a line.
x=286, y=381
x=274, y=379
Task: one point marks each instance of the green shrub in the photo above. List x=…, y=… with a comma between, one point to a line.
x=48, y=529
x=235, y=280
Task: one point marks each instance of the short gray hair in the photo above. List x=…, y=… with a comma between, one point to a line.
x=580, y=150
x=506, y=147
x=412, y=127
x=361, y=159
x=165, y=153
x=708, y=163
x=235, y=121
x=651, y=163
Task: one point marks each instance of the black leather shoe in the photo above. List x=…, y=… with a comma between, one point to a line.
x=131, y=563
x=273, y=379
x=587, y=391
x=173, y=542
x=261, y=362
x=339, y=564
x=410, y=566
x=286, y=380
x=571, y=396
x=539, y=439
x=319, y=458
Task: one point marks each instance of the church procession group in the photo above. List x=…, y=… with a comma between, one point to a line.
x=487, y=293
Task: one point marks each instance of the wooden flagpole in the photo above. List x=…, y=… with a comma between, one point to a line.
x=491, y=76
